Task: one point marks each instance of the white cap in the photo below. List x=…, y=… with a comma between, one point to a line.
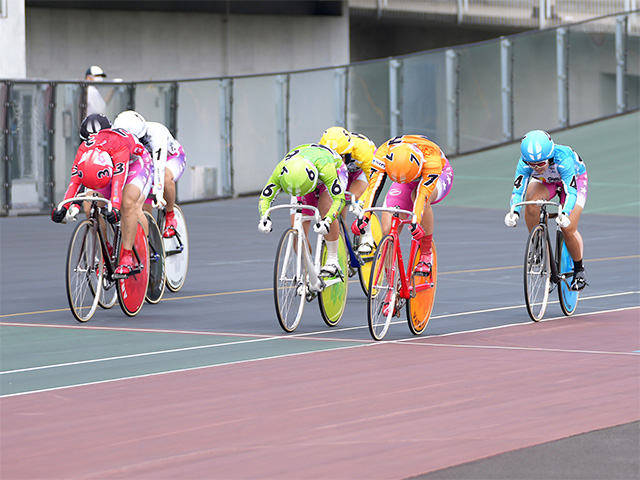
x=95, y=71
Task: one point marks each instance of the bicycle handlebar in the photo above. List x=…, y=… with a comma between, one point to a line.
x=539, y=203
x=392, y=210
x=82, y=197
x=316, y=212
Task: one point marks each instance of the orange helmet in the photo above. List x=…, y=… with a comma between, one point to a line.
x=404, y=162
x=95, y=169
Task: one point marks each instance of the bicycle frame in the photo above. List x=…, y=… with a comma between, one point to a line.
x=407, y=287
x=94, y=214
x=315, y=282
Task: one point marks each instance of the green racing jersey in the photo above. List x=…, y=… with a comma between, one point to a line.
x=326, y=161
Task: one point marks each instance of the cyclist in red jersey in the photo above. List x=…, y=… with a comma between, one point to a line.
x=114, y=164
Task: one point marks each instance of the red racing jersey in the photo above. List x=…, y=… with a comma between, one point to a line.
x=122, y=147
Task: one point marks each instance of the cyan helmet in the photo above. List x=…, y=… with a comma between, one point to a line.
x=337, y=139
x=536, y=146
x=132, y=122
x=298, y=175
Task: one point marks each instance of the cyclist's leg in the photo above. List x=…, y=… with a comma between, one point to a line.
x=536, y=191
x=399, y=195
x=572, y=236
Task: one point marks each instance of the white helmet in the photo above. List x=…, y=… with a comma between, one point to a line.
x=132, y=122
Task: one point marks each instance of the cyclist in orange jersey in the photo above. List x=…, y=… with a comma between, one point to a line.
x=421, y=175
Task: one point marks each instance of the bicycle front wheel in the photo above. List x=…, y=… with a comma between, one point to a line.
x=289, y=284
x=333, y=298
x=382, y=289
x=85, y=270
x=177, y=251
x=568, y=297
x=132, y=290
x=420, y=303
x=537, y=273
x=157, y=276
x=365, y=268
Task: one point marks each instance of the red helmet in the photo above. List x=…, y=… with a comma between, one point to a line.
x=95, y=169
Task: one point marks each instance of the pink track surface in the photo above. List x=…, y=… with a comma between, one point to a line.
x=389, y=410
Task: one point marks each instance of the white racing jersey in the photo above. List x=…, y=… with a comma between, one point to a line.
x=161, y=145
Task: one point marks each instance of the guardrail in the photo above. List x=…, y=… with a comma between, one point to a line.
x=235, y=129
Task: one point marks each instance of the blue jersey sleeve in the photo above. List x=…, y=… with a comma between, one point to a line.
x=523, y=174
x=567, y=160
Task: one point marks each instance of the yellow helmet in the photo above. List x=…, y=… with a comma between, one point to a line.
x=404, y=162
x=337, y=139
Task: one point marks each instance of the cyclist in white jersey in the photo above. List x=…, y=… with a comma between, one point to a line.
x=169, y=161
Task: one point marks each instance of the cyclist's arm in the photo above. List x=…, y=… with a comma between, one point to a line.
x=329, y=176
x=159, y=146
x=74, y=183
x=269, y=192
x=376, y=184
x=523, y=175
x=569, y=182
x=430, y=174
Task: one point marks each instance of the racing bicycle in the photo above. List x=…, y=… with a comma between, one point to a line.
x=92, y=261
x=545, y=269
x=391, y=286
x=296, y=275
x=360, y=263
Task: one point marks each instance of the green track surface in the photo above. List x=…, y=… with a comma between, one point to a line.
x=610, y=150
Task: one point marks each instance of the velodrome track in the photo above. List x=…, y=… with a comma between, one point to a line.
x=206, y=385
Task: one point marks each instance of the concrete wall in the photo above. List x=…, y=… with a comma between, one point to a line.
x=135, y=45
x=12, y=39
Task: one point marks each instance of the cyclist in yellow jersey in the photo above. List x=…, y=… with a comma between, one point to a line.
x=308, y=173
x=422, y=176
x=357, y=152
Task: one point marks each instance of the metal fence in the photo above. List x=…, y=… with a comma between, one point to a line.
x=234, y=130
x=514, y=13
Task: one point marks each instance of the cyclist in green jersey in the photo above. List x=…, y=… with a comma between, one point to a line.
x=309, y=174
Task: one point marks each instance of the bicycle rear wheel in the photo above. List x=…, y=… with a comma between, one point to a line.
x=382, y=289
x=109, y=295
x=333, y=298
x=365, y=268
x=568, y=297
x=537, y=273
x=84, y=271
x=157, y=272
x=288, y=287
x=420, y=303
x=132, y=290
x=177, y=251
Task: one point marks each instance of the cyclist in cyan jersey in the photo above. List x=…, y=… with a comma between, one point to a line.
x=545, y=169
x=169, y=161
x=422, y=177
x=114, y=164
x=309, y=173
x=356, y=151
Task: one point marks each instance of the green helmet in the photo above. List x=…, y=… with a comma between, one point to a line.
x=298, y=175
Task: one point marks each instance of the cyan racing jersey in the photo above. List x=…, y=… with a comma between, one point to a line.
x=564, y=169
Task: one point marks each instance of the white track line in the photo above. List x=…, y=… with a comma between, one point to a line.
x=405, y=341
